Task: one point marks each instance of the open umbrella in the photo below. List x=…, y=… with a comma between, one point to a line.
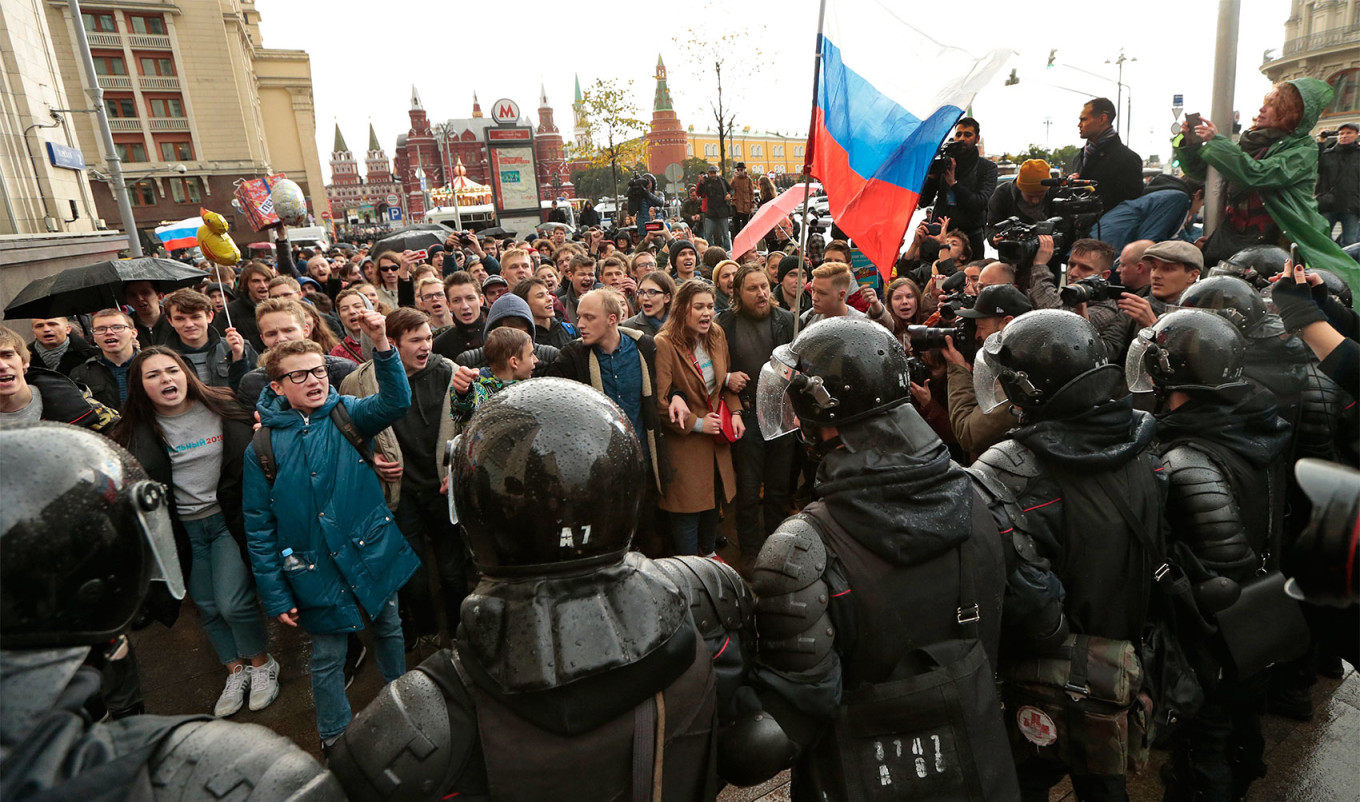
x=407, y=241
x=77, y=290
x=419, y=227
x=495, y=231
x=550, y=224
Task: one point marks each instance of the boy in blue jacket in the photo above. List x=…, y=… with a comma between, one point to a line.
x=346, y=557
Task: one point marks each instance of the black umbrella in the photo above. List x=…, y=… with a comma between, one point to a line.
x=78, y=290
x=419, y=227
x=495, y=231
x=408, y=241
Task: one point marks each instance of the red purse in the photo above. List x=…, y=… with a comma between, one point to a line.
x=725, y=432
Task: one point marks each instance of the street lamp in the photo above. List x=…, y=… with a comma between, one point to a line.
x=1120, y=95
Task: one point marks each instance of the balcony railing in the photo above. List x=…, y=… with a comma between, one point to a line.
x=170, y=124
x=125, y=124
x=153, y=82
x=149, y=40
x=105, y=39
x=115, y=82
x=1323, y=39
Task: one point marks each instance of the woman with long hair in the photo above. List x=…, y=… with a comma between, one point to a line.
x=654, y=295
x=693, y=386
x=908, y=307
x=911, y=307
x=192, y=438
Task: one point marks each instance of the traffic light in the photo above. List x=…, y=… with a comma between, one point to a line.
x=1052, y=54
x=1014, y=79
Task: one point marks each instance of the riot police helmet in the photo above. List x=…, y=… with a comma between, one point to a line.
x=839, y=370
x=547, y=477
x=1188, y=350
x=83, y=532
x=1254, y=264
x=1231, y=298
x=1048, y=363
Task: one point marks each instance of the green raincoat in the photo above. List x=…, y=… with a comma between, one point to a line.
x=1284, y=178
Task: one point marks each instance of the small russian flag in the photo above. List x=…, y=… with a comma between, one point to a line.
x=180, y=235
x=887, y=96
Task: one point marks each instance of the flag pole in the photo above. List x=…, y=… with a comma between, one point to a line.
x=797, y=302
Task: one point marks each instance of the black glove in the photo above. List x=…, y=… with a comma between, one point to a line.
x=1296, y=304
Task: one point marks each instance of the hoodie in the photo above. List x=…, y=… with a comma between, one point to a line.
x=1285, y=176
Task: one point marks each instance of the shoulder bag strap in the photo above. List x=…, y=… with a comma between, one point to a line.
x=264, y=453
x=340, y=417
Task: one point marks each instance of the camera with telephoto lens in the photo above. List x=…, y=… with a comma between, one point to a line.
x=931, y=338
x=1075, y=207
x=917, y=370
x=953, y=149
x=1088, y=291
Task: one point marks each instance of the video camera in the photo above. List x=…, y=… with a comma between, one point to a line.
x=1076, y=207
x=953, y=149
x=1089, y=290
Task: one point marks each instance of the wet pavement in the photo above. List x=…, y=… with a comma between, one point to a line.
x=1313, y=762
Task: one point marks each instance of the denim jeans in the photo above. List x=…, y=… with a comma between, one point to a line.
x=717, y=231
x=328, y=664
x=763, y=468
x=424, y=520
x=1350, y=226
x=694, y=532
x=219, y=581
x=1156, y=216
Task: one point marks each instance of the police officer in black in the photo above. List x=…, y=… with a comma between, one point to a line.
x=1222, y=445
x=580, y=670
x=897, y=565
x=83, y=533
x=1082, y=488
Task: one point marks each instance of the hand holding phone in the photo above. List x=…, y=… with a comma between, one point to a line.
x=1188, y=135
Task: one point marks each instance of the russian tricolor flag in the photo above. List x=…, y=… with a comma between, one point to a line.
x=887, y=96
x=180, y=235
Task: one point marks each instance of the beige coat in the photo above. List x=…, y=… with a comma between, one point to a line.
x=688, y=462
x=363, y=382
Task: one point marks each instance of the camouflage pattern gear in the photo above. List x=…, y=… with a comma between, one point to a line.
x=1081, y=706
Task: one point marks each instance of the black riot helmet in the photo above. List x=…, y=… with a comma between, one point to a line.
x=1232, y=299
x=82, y=534
x=1323, y=563
x=1049, y=363
x=547, y=477
x=1337, y=286
x=1188, y=350
x=1254, y=264
x=838, y=371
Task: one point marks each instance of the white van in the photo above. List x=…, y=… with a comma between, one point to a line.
x=316, y=237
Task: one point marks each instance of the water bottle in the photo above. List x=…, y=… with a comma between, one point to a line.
x=292, y=562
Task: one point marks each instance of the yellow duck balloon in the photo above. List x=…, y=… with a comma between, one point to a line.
x=214, y=240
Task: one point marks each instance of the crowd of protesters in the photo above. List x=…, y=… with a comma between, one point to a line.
x=359, y=365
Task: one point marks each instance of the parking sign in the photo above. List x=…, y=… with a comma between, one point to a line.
x=394, y=213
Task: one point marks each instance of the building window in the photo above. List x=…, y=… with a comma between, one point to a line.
x=778, y=151
x=152, y=25
x=131, y=151
x=798, y=151
x=155, y=65
x=184, y=190
x=736, y=150
x=176, y=151
x=120, y=107
x=109, y=65
x=99, y=21
x=779, y=169
x=143, y=193
x=165, y=106
x=1346, y=85
x=710, y=150
x=760, y=168
x=757, y=150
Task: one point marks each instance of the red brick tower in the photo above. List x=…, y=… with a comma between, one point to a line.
x=419, y=152
x=344, y=168
x=548, y=153
x=666, y=140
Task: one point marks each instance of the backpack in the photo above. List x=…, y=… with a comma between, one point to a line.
x=264, y=446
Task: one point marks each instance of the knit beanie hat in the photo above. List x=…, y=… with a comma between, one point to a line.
x=1031, y=173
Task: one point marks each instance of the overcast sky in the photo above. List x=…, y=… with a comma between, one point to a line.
x=365, y=56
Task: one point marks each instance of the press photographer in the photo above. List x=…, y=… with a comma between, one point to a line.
x=1087, y=291
x=961, y=183
x=976, y=430
x=1075, y=207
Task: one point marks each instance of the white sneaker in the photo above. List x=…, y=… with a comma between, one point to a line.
x=234, y=694
x=264, y=684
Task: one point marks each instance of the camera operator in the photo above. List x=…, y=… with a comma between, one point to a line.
x=1025, y=198
x=961, y=183
x=1105, y=159
x=1174, y=266
x=975, y=429
x=1088, y=292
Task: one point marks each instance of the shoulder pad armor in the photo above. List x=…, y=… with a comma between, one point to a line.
x=1010, y=458
x=719, y=599
x=205, y=761
x=792, y=558
x=402, y=745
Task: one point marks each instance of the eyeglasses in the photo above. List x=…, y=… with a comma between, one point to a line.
x=300, y=376
x=433, y=296
x=647, y=265
x=389, y=268
x=114, y=329
x=650, y=293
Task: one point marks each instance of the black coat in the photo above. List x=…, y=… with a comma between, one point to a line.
x=1117, y=170
x=96, y=376
x=460, y=338
x=782, y=322
x=1338, y=184
x=63, y=401
x=242, y=311
x=589, y=217
x=76, y=353
x=973, y=187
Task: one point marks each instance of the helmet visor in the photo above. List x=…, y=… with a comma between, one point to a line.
x=1136, y=374
x=450, y=449
x=774, y=409
x=153, y=516
x=987, y=375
